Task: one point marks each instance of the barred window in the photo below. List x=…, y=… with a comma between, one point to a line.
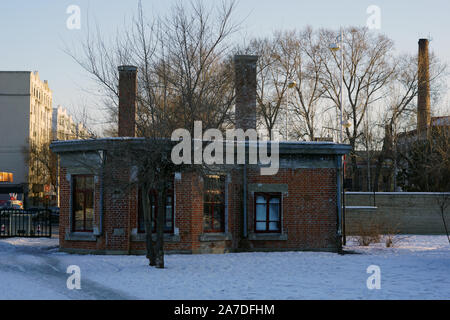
x=83, y=203
x=169, y=218
x=214, y=204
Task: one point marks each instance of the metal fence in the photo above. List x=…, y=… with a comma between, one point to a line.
x=25, y=223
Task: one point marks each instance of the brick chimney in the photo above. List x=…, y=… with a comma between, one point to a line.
x=423, y=99
x=245, y=82
x=127, y=101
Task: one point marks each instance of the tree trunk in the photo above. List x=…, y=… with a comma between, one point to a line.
x=148, y=225
x=376, y=178
x=445, y=224
x=160, y=222
x=355, y=173
x=354, y=167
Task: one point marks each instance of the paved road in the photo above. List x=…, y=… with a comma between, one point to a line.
x=40, y=267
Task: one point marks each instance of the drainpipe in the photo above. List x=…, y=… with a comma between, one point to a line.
x=339, y=201
x=245, y=200
x=102, y=156
x=344, y=236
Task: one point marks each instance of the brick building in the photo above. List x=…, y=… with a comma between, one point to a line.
x=224, y=211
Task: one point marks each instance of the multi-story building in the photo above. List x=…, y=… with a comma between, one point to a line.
x=65, y=128
x=25, y=121
x=83, y=132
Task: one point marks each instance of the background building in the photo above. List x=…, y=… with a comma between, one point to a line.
x=384, y=170
x=65, y=128
x=28, y=123
x=26, y=113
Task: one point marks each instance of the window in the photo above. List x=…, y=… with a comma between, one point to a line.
x=83, y=203
x=267, y=212
x=169, y=219
x=214, y=204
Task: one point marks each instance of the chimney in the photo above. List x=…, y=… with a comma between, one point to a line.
x=245, y=82
x=127, y=101
x=423, y=99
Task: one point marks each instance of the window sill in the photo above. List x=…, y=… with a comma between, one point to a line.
x=268, y=236
x=139, y=237
x=80, y=236
x=205, y=237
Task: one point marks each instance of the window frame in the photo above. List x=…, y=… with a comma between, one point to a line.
x=152, y=194
x=84, y=191
x=214, y=205
x=268, y=196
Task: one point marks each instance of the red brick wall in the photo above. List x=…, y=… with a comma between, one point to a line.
x=309, y=208
x=127, y=101
x=64, y=218
x=64, y=194
x=245, y=86
x=309, y=214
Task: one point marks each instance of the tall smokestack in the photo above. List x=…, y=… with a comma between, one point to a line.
x=423, y=99
x=127, y=101
x=245, y=75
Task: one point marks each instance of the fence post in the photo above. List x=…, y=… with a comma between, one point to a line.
x=49, y=218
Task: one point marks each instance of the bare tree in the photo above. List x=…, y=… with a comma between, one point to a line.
x=370, y=141
x=368, y=68
x=401, y=93
x=443, y=202
x=185, y=75
x=289, y=81
x=43, y=165
x=308, y=89
x=425, y=165
x=273, y=80
x=400, y=103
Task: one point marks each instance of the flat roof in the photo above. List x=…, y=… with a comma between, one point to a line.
x=285, y=147
x=1, y=71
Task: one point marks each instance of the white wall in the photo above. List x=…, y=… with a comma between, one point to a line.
x=14, y=123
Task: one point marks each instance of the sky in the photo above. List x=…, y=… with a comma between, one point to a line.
x=34, y=33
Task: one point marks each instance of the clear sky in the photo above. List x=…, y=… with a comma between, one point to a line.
x=34, y=33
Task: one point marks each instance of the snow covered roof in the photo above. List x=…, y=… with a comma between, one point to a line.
x=285, y=147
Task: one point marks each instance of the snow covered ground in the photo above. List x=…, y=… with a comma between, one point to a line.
x=417, y=268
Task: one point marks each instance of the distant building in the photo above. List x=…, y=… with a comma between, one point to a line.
x=65, y=128
x=368, y=165
x=26, y=118
x=366, y=174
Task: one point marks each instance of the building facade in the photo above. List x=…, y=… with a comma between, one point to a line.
x=224, y=210
x=28, y=123
x=65, y=128
x=26, y=120
x=295, y=209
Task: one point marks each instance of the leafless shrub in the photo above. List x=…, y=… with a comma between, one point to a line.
x=368, y=232
x=392, y=235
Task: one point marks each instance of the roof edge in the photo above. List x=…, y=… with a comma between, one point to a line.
x=285, y=147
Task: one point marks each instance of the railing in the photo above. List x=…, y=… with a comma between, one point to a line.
x=25, y=223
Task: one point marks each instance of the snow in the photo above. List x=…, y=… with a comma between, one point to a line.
x=396, y=193
x=418, y=267
x=360, y=207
